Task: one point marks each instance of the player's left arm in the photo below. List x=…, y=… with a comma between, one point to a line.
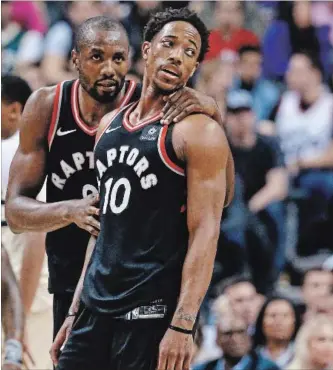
x=206, y=153
x=187, y=101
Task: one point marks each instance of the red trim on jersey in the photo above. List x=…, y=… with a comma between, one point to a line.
x=114, y=115
x=164, y=155
x=129, y=127
x=76, y=110
x=55, y=114
x=183, y=208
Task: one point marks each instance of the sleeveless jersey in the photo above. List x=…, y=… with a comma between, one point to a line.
x=70, y=175
x=142, y=244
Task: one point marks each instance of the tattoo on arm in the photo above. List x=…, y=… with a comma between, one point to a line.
x=181, y=315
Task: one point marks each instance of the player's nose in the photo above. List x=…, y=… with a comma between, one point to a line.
x=176, y=56
x=107, y=69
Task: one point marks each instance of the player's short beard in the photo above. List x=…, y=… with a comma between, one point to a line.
x=93, y=90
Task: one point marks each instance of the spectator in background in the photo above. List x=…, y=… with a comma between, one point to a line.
x=243, y=298
x=265, y=94
x=134, y=24
x=317, y=288
x=291, y=33
x=12, y=316
x=26, y=251
x=314, y=345
x=263, y=179
x=235, y=342
x=276, y=328
x=216, y=76
x=22, y=48
x=304, y=124
x=229, y=32
x=59, y=40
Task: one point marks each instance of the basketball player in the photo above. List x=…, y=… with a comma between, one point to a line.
x=162, y=191
x=57, y=139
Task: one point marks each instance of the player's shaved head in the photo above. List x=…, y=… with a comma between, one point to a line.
x=86, y=31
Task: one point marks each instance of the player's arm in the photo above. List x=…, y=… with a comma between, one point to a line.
x=28, y=172
x=206, y=153
x=66, y=328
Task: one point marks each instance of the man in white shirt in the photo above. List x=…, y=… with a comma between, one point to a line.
x=304, y=123
x=26, y=251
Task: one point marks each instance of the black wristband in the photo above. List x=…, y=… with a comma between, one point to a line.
x=180, y=330
x=71, y=314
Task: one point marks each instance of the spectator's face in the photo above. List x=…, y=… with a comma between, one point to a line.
x=232, y=337
x=103, y=64
x=147, y=6
x=250, y=66
x=302, y=13
x=317, y=284
x=10, y=114
x=300, y=75
x=279, y=321
x=171, y=57
x=243, y=299
x=239, y=125
x=229, y=15
x=6, y=11
x=321, y=347
x=80, y=11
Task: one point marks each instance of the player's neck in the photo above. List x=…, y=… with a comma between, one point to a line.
x=92, y=111
x=151, y=102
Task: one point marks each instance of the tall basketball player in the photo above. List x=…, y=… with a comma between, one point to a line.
x=162, y=192
x=56, y=140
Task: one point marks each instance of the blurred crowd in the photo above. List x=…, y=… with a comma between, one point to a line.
x=270, y=70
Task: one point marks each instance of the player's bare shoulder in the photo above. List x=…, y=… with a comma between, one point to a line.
x=199, y=130
x=37, y=113
x=200, y=138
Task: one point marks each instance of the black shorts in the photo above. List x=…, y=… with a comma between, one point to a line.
x=61, y=304
x=102, y=342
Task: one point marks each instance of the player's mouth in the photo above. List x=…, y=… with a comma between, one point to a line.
x=171, y=72
x=108, y=85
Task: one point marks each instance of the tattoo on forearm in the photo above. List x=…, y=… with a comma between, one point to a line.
x=181, y=315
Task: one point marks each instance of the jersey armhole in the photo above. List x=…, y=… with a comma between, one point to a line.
x=55, y=114
x=167, y=151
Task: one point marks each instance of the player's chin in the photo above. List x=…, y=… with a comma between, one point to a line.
x=167, y=88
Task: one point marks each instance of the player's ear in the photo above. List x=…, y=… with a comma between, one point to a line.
x=145, y=49
x=75, y=59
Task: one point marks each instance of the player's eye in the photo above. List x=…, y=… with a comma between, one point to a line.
x=167, y=43
x=118, y=58
x=190, y=52
x=96, y=57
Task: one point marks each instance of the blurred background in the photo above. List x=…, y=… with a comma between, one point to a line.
x=270, y=69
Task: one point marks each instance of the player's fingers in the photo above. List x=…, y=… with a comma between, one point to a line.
x=161, y=364
x=91, y=230
x=93, y=198
x=93, y=211
x=171, y=99
x=186, y=111
x=93, y=222
x=171, y=361
x=186, y=362
x=169, y=114
x=56, y=345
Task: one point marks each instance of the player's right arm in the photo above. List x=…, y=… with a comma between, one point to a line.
x=28, y=172
x=66, y=327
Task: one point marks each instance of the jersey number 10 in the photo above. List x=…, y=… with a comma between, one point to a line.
x=111, y=193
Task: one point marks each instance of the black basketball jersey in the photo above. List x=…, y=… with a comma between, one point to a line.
x=142, y=244
x=70, y=171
